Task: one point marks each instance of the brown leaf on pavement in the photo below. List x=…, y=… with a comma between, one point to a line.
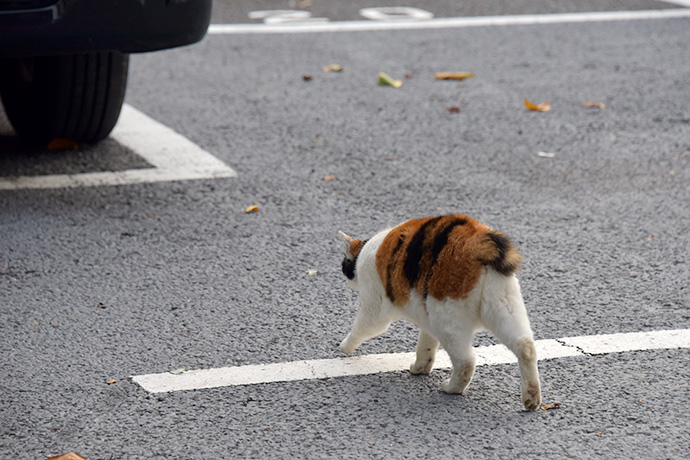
x=333, y=68
x=68, y=456
x=453, y=75
x=543, y=107
x=60, y=144
x=596, y=104
x=551, y=406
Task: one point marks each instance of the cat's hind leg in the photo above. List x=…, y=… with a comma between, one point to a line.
x=459, y=348
x=503, y=313
x=426, y=353
x=454, y=324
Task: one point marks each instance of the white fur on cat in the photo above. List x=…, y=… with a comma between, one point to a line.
x=495, y=303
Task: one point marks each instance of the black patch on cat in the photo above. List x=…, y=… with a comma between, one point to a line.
x=349, y=268
x=349, y=265
x=440, y=242
x=391, y=263
x=415, y=251
x=442, y=238
x=502, y=244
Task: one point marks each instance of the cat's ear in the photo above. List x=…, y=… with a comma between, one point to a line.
x=347, y=243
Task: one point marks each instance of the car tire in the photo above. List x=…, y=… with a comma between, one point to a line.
x=75, y=97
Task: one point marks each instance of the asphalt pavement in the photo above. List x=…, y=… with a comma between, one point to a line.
x=98, y=284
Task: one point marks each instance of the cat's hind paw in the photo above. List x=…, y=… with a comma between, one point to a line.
x=531, y=397
x=451, y=388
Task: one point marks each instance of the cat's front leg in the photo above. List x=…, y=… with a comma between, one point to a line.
x=371, y=320
x=349, y=344
x=426, y=353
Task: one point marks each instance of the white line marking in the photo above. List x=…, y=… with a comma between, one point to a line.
x=395, y=13
x=443, y=23
x=614, y=343
x=173, y=156
x=391, y=362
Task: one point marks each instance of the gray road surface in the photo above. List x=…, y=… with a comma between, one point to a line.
x=108, y=282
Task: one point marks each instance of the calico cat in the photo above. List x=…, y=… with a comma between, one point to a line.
x=452, y=276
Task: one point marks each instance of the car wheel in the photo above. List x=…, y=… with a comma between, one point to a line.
x=75, y=97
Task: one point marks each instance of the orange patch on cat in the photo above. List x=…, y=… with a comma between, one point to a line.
x=441, y=257
x=355, y=247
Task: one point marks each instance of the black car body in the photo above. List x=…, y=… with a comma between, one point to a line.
x=63, y=63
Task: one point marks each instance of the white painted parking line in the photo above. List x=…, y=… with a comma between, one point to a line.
x=445, y=23
x=173, y=157
x=391, y=362
x=614, y=343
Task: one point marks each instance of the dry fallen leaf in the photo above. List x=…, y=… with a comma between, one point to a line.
x=329, y=178
x=551, y=406
x=387, y=80
x=543, y=107
x=252, y=208
x=69, y=456
x=597, y=104
x=61, y=144
x=454, y=109
x=111, y=381
x=300, y=3
x=453, y=75
x=307, y=77
x=333, y=68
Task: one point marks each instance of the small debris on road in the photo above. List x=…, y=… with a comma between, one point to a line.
x=543, y=107
x=387, y=80
x=453, y=75
x=594, y=104
x=551, y=406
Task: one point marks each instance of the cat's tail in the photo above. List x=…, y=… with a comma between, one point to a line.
x=498, y=252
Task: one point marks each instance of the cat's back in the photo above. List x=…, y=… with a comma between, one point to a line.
x=441, y=257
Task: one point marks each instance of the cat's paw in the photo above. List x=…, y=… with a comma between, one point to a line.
x=423, y=367
x=531, y=397
x=451, y=388
x=346, y=347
